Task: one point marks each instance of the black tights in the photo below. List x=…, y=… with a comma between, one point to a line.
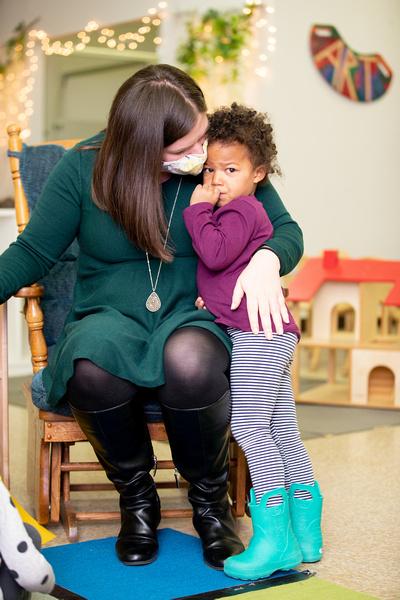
x=195, y=366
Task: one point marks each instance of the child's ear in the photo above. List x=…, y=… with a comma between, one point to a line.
x=259, y=174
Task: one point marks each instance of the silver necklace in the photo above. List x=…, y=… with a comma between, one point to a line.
x=153, y=302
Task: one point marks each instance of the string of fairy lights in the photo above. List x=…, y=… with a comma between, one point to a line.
x=263, y=41
x=17, y=82
x=129, y=40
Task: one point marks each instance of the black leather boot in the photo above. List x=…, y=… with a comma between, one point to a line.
x=121, y=441
x=199, y=440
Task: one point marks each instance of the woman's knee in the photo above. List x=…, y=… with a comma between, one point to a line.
x=87, y=378
x=185, y=369
x=195, y=365
x=93, y=388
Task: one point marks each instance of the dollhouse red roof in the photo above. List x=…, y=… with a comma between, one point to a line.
x=316, y=271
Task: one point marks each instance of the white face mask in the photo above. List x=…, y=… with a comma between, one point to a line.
x=191, y=164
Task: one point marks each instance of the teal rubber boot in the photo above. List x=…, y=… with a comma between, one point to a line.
x=306, y=520
x=273, y=545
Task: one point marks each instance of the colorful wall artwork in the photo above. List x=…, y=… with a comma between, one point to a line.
x=359, y=77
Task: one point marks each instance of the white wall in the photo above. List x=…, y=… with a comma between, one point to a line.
x=340, y=158
x=58, y=18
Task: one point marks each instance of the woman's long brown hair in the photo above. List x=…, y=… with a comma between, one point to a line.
x=152, y=109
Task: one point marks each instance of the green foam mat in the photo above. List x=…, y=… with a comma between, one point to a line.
x=308, y=589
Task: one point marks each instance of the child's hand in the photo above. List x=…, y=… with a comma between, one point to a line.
x=205, y=193
x=200, y=303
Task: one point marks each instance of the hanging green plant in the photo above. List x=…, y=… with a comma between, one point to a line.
x=13, y=48
x=216, y=38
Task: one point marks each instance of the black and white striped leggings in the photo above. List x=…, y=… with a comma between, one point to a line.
x=264, y=419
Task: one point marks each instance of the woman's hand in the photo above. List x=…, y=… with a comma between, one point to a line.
x=261, y=283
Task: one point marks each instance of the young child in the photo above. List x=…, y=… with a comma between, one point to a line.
x=227, y=225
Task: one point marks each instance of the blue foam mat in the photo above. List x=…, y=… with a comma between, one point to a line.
x=92, y=570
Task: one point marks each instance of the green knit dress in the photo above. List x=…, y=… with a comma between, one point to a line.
x=109, y=323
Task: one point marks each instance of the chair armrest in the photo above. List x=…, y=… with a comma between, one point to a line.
x=31, y=291
x=35, y=320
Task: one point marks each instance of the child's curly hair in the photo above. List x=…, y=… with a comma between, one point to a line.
x=246, y=126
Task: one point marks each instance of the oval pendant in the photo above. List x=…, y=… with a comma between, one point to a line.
x=153, y=302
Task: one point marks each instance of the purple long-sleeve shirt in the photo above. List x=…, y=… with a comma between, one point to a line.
x=225, y=240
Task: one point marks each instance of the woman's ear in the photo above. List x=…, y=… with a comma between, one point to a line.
x=259, y=173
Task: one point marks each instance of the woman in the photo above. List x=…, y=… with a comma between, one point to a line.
x=133, y=324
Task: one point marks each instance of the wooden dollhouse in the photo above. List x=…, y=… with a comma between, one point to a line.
x=349, y=311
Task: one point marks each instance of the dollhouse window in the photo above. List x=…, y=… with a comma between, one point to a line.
x=343, y=319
